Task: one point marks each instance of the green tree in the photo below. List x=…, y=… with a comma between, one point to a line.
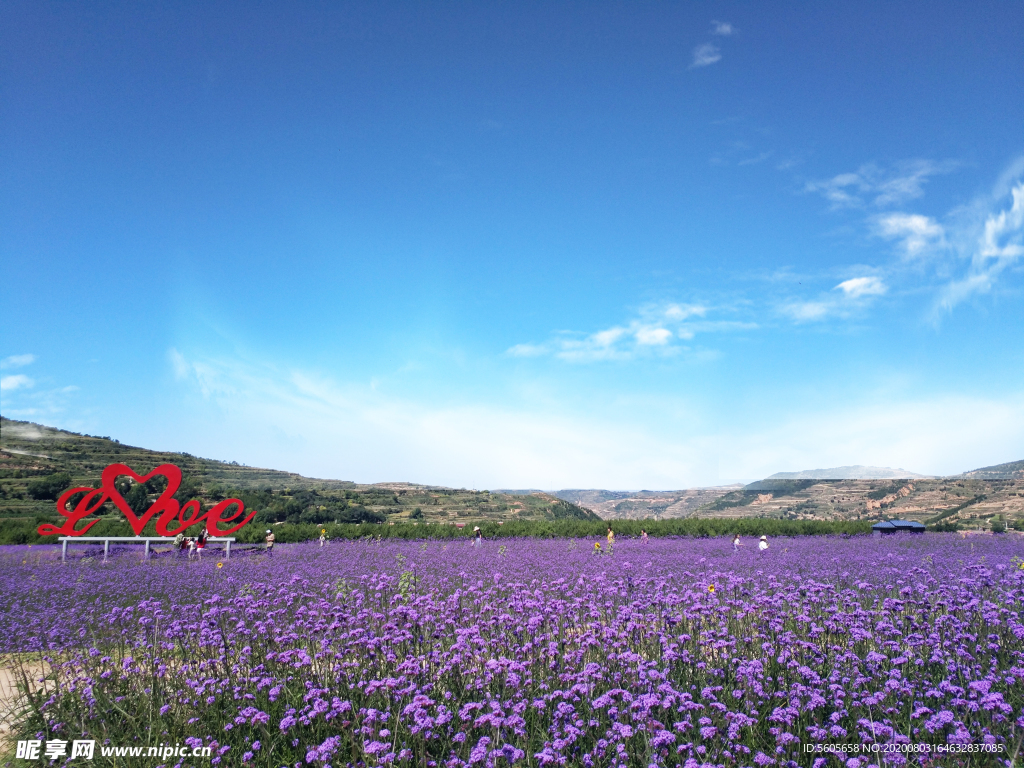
x=137, y=498
x=49, y=487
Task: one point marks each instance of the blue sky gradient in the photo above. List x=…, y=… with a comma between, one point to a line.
x=519, y=245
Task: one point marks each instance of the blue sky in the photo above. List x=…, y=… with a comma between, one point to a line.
x=636, y=245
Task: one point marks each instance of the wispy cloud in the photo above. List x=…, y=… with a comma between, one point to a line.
x=856, y=287
x=877, y=186
x=266, y=414
x=706, y=54
x=27, y=398
x=959, y=256
x=918, y=235
x=756, y=159
x=722, y=28
x=17, y=361
x=18, y=381
x=179, y=364
x=853, y=294
x=807, y=311
x=998, y=246
x=270, y=415
x=658, y=330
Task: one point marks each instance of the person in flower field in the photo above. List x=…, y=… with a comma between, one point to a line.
x=762, y=545
x=736, y=543
x=611, y=539
x=191, y=543
x=478, y=538
x=323, y=536
x=179, y=544
x=270, y=541
x=643, y=535
x=201, y=544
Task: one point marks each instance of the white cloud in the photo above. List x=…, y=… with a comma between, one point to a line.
x=722, y=28
x=18, y=381
x=856, y=287
x=653, y=336
x=1002, y=238
x=178, y=362
x=999, y=245
x=966, y=253
x=706, y=54
x=265, y=415
x=683, y=311
x=299, y=421
x=878, y=186
x=527, y=350
x=919, y=234
x=609, y=337
x=653, y=332
x=807, y=311
x=17, y=361
x=853, y=292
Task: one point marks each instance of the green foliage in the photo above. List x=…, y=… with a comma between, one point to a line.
x=887, y=490
x=50, y=487
x=137, y=498
x=733, y=499
x=565, y=510
x=780, y=487
x=569, y=529
x=950, y=512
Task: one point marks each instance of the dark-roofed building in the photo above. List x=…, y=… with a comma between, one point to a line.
x=896, y=526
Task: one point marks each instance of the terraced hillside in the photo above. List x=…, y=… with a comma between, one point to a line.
x=961, y=500
x=37, y=463
x=974, y=499
x=640, y=505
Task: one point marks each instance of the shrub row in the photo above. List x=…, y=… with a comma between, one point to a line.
x=24, y=531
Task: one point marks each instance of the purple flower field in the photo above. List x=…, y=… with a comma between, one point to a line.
x=533, y=652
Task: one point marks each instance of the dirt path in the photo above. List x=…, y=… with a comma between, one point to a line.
x=9, y=694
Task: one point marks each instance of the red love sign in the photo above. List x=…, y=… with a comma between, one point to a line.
x=166, y=506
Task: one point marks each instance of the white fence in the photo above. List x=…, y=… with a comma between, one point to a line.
x=147, y=540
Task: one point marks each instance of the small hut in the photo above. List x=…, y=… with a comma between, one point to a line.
x=896, y=526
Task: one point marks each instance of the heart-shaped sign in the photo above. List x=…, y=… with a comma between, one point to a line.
x=166, y=506
x=169, y=471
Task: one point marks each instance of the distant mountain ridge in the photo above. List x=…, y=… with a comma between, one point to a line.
x=1011, y=470
x=855, y=472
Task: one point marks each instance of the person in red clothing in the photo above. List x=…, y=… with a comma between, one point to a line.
x=201, y=544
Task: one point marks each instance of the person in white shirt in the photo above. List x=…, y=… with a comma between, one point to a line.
x=762, y=545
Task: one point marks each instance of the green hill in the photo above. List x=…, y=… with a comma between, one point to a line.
x=37, y=463
x=1009, y=470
